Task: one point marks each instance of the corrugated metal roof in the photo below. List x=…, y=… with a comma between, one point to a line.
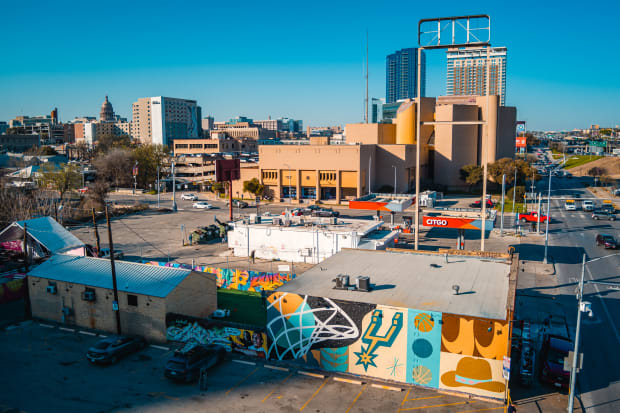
x=51, y=234
x=131, y=277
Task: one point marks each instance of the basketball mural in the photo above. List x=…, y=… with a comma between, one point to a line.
x=423, y=347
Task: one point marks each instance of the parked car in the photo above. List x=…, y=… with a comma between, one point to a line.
x=587, y=205
x=531, y=217
x=111, y=349
x=238, y=204
x=202, y=205
x=608, y=206
x=309, y=209
x=554, y=350
x=297, y=212
x=185, y=364
x=189, y=197
x=325, y=212
x=478, y=204
x=105, y=253
x=607, y=241
x=603, y=214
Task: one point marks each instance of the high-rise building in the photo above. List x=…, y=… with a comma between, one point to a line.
x=160, y=119
x=400, y=75
x=467, y=72
x=376, y=110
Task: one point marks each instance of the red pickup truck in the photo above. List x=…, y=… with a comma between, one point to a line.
x=531, y=217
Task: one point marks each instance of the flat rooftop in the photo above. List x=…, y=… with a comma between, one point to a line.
x=414, y=280
x=307, y=223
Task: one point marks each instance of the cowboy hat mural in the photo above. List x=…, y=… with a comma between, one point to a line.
x=471, y=374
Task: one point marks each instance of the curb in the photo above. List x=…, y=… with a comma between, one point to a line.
x=380, y=386
x=250, y=363
x=358, y=382
x=307, y=373
x=269, y=366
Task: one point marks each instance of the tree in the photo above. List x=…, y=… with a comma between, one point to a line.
x=500, y=167
x=531, y=140
x=596, y=171
x=218, y=188
x=471, y=174
x=115, y=167
x=607, y=180
x=253, y=186
x=62, y=178
x=107, y=142
x=149, y=157
x=43, y=150
x=520, y=191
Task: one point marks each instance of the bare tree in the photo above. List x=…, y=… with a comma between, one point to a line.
x=114, y=167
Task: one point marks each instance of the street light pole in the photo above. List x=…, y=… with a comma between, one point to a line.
x=501, y=228
x=394, y=179
x=158, y=186
x=548, y=218
x=174, y=184
x=573, y=369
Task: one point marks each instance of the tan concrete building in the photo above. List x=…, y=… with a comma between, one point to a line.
x=202, y=146
x=77, y=291
x=160, y=119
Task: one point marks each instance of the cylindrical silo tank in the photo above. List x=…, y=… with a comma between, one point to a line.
x=405, y=127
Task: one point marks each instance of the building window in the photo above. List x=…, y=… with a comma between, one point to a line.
x=132, y=300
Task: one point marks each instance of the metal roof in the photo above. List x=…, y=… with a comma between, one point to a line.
x=51, y=234
x=145, y=279
x=413, y=280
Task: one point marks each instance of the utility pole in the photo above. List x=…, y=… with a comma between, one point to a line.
x=115, y=306
x=418, y=125
x=366, y=114
x=514, y=192
x=573, y=370
x=485, y=153
x=230, y=199
x=501, y=228
x=158, y=186
x=25, y=247
x=548, y=218
x=174, y=184
x=538, y=217
x=96, y=232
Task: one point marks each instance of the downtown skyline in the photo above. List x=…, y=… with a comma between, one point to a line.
x=282, y=61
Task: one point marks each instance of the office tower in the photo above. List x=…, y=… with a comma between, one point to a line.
x=400, y=75
x=467, y=72
x=159, y=120
x=376, y=110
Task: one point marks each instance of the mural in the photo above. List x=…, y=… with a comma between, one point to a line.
x=185, y=329
x=424, y=348
x=472, y=350
x=237, y=279
x=12, y=287
x=296, y=324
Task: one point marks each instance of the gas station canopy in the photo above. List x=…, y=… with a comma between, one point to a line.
x=383, y=202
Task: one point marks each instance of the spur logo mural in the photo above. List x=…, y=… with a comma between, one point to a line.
x=373, y=340
x=237, y=279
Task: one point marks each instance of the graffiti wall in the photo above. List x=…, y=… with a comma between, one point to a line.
x=237, y=279
x=187, y=329
x=425, y=348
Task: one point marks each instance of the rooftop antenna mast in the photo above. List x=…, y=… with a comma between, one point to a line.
x=366, y=113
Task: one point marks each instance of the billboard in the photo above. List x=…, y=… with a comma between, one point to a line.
x=521, y=142
x=457, y=223
x=227, y=170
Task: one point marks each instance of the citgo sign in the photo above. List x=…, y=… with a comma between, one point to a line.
x=449, y=222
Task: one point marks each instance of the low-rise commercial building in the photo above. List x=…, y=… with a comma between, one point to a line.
x=216, y=145
x=78, y=291
x=19, y=143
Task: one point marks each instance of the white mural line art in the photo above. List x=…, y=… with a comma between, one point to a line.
x=319, y=330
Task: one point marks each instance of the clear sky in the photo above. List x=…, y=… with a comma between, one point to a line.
x=303, y=60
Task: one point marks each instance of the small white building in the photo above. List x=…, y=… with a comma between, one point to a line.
x=305, y=239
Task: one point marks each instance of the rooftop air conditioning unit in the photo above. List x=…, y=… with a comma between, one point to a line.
x=88, y=296
x=51, y=289
x=362, y=282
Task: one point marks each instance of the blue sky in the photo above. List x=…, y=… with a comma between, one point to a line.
x=303, y=60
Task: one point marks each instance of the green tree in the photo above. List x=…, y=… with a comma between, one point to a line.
x=61, y=178
x=106, y=143
x=253, y=186
x=43, y=150
x=531, y=140
x=149, y=157
x=471, y=174
x=218, y=188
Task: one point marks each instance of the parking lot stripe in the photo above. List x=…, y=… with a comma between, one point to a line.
x=381, y=386
x=276, y=387
x=269, y=366
x=241, y=381
x=355, y=400
x=430, y=406
x=421, y=398
x=482, y=410
x=251, y=363
x=358, y=382
x=103, y=336
x=47, y=325
x=159, y=347
x=314, y=394
x=405, y=398
x=307, y=373
x=67, y=329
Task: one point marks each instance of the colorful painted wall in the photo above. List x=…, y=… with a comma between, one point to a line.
x=425, y=348
x=188, y=329
x=237, y=279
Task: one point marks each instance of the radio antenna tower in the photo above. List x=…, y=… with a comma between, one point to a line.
x=366, y=101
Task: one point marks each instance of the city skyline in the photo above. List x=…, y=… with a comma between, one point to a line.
x=314, y=76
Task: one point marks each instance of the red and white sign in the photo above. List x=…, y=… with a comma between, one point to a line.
x=521, y=142
x=449, y=222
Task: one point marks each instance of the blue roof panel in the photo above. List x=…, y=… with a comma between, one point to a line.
x=51, y=234
x=145, y=279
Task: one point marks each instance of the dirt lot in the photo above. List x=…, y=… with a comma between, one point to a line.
x=611, y=164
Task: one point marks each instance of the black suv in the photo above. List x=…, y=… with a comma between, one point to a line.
x=110, y=349
x=185, y=364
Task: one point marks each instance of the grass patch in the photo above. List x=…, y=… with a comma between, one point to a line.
x=508, y=206
x=579, y=160
x=245, y=307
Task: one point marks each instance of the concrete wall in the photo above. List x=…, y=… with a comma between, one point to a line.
x=506, y=132
x=371, y=133
x=195, y=296
x=147, y=319
x=427, y=348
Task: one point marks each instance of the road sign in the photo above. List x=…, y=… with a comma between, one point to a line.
x=568, y=361
x=115, y=305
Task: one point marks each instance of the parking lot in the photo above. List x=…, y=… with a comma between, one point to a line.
x=45, y=370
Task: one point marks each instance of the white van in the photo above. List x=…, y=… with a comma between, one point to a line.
x=587, y=205
x=570, y=205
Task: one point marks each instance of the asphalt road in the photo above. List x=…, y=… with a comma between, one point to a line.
x=571, y=234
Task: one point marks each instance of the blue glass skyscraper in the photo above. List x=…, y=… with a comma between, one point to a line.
x=400, y=75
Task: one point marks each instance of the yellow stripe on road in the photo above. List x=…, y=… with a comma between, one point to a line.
x=277, y=386
x=242, y=380
x=431, y=406
x=482, y=410
x=315, y=393
x=355, y=400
